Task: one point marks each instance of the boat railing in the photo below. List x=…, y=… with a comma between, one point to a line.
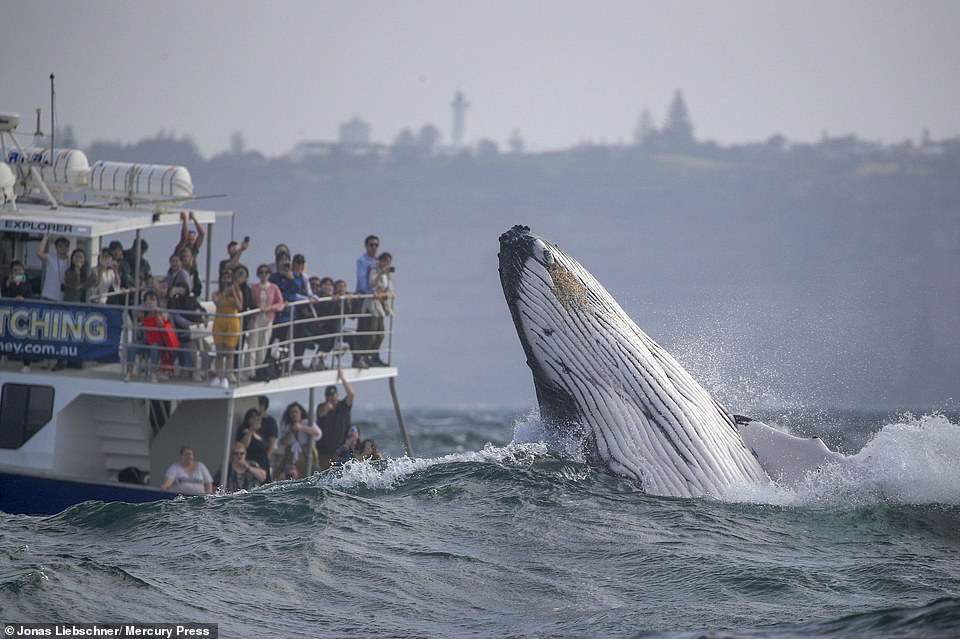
x=300, y=339
x=309, y=334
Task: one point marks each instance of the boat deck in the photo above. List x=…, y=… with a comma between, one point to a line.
x=106, y=379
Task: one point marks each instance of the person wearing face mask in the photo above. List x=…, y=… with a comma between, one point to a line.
x=18, y=287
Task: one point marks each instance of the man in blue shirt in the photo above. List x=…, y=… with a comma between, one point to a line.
x=364, y=263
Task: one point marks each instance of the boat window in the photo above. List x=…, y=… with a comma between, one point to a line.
x=24, y=410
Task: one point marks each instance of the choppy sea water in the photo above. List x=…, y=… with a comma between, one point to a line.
x=485, y=534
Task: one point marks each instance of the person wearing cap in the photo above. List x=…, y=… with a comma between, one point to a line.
x=334, y=414
x=54, y=267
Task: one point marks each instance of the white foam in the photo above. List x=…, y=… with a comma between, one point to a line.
x=389, y=474
x=911, y=462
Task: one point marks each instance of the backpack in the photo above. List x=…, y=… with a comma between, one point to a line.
x=268, y=371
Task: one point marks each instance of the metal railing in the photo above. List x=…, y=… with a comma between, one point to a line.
x=298, y=340
x=309, y=334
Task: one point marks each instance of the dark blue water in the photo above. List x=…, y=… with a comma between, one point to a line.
x=486, y=535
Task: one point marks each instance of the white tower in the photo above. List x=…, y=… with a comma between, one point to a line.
x=459, y=106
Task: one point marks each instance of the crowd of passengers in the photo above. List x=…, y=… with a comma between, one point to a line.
x=265, y=451
x=284, y=305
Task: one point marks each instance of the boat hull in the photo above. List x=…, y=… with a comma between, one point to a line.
x=32, y=495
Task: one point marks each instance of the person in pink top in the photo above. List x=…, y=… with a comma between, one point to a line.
x=268, y=298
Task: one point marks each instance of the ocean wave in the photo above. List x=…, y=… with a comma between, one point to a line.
x=909, y=462
x=931, y=621
x=390, y=473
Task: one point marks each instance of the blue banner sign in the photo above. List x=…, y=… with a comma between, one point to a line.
x=31, y=329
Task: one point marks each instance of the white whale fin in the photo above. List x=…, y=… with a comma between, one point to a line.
x=786, y=458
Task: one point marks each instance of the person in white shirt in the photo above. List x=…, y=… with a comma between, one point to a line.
x=188, y=476
x=54, y=267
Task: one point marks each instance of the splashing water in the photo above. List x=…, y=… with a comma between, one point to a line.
x=911, y=462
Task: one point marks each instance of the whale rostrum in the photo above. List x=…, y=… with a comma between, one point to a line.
x=599, y=378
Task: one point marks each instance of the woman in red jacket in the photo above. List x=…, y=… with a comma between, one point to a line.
x=158, y=339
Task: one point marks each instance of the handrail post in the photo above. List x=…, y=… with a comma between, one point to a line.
x=400, y=422
x=228, y=444
x=311, y=397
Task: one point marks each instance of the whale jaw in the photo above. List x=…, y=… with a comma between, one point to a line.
x=558, y=408
x=600, y=378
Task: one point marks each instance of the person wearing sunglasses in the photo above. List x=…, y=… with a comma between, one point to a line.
x=243, y=473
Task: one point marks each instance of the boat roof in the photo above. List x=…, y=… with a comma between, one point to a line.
x=95, y=220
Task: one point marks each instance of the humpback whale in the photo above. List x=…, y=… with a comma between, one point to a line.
x=601, y=380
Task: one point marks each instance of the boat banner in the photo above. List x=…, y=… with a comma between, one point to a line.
x=34, y=329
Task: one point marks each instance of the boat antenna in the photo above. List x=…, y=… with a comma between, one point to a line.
x=53, y=128
x=38, y=134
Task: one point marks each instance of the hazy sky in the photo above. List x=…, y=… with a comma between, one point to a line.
x=559, y=72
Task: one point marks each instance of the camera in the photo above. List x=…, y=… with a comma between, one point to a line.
x=246, y=239
x=392, y=269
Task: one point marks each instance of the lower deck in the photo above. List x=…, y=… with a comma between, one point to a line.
x=68, y=435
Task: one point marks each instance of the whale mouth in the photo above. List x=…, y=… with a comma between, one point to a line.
x=515, y=249
x=516, y=246
x=528, y=263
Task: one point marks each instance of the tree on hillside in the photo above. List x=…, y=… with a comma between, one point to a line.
x=677, y=133
x=645, y=131
x=162, y=149
x=487, y=150
x=404, y=146
x=428, y=139
x=409, y=146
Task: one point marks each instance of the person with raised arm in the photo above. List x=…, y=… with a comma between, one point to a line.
x=54, y=267
x=333, y=418
x=190, y=238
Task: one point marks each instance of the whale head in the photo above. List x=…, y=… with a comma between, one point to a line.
x=601, y=379
x=540, y=287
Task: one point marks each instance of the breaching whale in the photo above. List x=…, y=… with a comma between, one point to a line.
x=637, y=412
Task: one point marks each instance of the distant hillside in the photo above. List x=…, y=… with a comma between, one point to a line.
x=823, y=274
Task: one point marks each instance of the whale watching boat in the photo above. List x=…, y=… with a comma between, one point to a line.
x=74, y=425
